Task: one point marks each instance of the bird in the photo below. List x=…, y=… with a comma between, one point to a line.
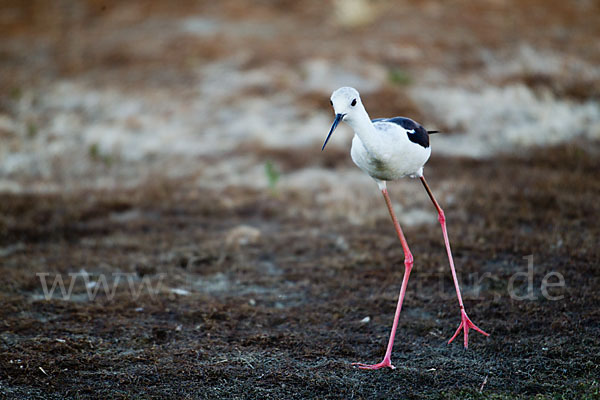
x=388, y=149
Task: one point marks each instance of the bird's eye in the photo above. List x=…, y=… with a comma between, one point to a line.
x=353, y=103
x=330, y=102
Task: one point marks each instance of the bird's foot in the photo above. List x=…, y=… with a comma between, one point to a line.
x=465, y=325
x=386, y=363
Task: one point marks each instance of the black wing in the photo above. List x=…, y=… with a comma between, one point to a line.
x=416, y=133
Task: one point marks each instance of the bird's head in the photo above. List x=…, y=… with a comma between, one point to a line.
x=346, y=105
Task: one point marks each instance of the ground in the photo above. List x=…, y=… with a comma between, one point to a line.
x=164, y=165
x=282, y=316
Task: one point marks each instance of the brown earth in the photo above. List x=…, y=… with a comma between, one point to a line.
x=279, y=317
x=260, y=293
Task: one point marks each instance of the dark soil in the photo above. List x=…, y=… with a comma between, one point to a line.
x=280, y=316
x=240, y=293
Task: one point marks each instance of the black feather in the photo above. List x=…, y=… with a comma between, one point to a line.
x=419, y=134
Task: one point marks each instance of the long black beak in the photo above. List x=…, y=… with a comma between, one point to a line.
x=338, y=118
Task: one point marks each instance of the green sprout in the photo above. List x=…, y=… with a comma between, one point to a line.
x=94, y=151
x=31, y=129
x=272, y=175
x=16, y=93
x=96, y=155
x=399, y=76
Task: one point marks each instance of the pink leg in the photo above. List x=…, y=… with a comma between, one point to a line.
x=408, y=263
x=465, y=323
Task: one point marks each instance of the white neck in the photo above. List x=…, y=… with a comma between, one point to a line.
x=361, y=123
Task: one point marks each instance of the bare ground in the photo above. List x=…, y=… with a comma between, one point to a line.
x=119, y=161
x=280, y=316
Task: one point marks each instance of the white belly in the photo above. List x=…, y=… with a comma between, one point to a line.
x=395, y=157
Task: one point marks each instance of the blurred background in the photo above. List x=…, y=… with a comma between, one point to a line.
x=179, y=142
x=103, y=93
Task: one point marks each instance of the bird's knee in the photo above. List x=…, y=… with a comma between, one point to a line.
x=441, y=216
x=408, y=261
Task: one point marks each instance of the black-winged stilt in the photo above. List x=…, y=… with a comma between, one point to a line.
x=388, y=149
